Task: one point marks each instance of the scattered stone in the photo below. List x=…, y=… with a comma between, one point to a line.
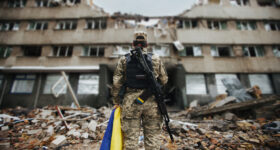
x=201, y=131
x=207, y=133
x=45, y=113
x=84, y=125
x=34, y=131
x=50, y=130
x=229, y=116
x=4, y=128
x=59, y=140
x=43, y=125
x=85, y=135
x=76, y=134
x=5, y=145
x=92, y=125
x=194, y=104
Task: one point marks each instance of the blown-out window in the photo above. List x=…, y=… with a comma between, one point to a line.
x=32, y=51
x=9, y=26
x=93, y=51
x=239, y=2
x=195, y=84
x=122, y=50
x=43, y=3
x=62, y=51
x=96, y=24
x=53, y=79
x=246, y=25
x=221, y=51
x=37, y=25
x=220, y=86
x=274, y=3
x=5, y=51
x=23, y=84
x=272, y=25
x=263, y=81
x=191, y=51
x=276, y=51
x=253, y=51
x=161, y=50
x=217, y=25
x=187, y=24
x=88, y=84
x=72, y=1
x=16, y=3
x=66, y=25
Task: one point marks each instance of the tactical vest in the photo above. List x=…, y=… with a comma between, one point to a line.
x=135, y=75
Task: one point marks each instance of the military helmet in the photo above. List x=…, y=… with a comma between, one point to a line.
x=140, y=39
x=138, y=35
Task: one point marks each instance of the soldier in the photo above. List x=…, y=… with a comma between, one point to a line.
x=134, y=115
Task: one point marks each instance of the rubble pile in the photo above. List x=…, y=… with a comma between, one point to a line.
x=228, y=124
x=211, y=134
x=214, y=127
x=46, y=129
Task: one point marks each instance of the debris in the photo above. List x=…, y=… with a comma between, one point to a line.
x=50, y=130
x=194, y=103
x=255, y=91
x=4, y=128
x=244, y=125
x=34, y=131
x=59, y=140
x=7, y=118
x=273, y=127
x=61, y=115
x=229, y=116
x=178, y=45
x=235, y=88
x=234, y=107
x=92, y=125
x=87, y=127
x=220, y=103
x=85, y=135
x=4, y=145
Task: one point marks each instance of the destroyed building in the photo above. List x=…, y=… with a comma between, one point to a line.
x=201, y=46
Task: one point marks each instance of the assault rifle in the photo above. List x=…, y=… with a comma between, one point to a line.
x=155, y=87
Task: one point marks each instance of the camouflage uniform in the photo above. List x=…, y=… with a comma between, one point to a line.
x=133, y=115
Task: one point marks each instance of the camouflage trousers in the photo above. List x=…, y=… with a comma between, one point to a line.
x=133, y=116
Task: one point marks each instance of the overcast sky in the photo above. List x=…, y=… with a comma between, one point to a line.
x=146, y=7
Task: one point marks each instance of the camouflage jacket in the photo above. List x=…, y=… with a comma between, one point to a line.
x=120, y=74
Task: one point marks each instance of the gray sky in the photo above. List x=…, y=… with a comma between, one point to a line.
x=146, y=7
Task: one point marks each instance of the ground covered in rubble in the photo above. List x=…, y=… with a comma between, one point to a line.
x=84, y=129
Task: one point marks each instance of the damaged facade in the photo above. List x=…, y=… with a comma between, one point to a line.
x=220, y=39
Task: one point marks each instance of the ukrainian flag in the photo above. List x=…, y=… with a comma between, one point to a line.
x=112, y=139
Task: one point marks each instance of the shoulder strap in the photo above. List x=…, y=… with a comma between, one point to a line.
x=127, y=57
x=150, y=55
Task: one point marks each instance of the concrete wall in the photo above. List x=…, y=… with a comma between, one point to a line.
x=78, y=36
x=252, y=12
x=206, y=63
x=64, y=12
x=234, y=64
x=178, y=66
x=229, y=36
